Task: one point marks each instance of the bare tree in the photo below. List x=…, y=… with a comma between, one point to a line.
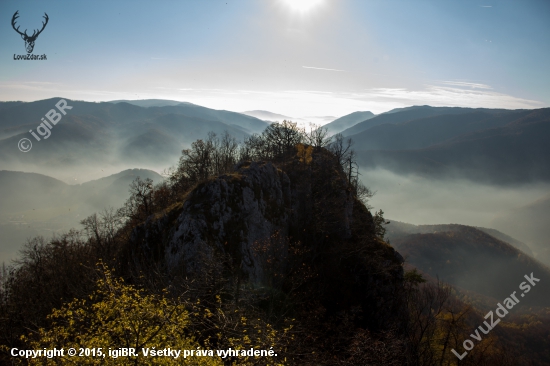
x=318, y=136
x=140, y=204
x=341, y=148
x=281, y=138
x=101, y=230
x=253, y=148
x=228, y=150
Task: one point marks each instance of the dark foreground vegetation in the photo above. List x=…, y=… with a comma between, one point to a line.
x=265, y=244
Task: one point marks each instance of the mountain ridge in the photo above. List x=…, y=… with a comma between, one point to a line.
x=348, y=121
x=474, y=260
x=484, y=155
x=105, y=133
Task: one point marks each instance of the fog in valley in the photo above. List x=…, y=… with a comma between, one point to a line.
x=83, y=173
x=51, y=202
x=420, y=200
x=405, y=198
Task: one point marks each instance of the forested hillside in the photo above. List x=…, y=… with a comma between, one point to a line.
x=109, y=134
x=490, y=146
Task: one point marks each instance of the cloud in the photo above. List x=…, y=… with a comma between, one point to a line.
x=465, y=84
x=39, y=83
x=302, y=103
x=321, y=68
x=449, y=96
x=33, y=90
x=30, y=85
x=168, y=59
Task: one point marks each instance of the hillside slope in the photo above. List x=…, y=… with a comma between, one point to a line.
x=347, y=121
x=408, y=114
x=34, y=204
x=401, y=229
x=473, y=260
x=111, y=134
x=424, y=132
x=517, y=152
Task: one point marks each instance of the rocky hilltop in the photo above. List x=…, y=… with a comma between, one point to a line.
x=261, y=212
x=231, y=213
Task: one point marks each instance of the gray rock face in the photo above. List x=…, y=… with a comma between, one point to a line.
x=232, y=214
x=249, y=217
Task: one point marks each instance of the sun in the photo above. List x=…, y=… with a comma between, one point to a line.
x=302, y=6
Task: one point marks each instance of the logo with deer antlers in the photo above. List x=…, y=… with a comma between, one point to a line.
x=29, y=40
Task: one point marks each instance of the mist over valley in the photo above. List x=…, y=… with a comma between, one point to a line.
x=98, y=140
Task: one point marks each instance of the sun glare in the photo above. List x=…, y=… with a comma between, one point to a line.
x=302, y=6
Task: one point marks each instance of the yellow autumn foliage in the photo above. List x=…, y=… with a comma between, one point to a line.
x=119, y=316
x=115, y=316
x=304, y=153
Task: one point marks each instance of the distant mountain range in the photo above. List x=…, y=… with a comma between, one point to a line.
x=111, y=133
x=27, y=191
x=348, y=121
x=495, y=146
x=400, y=115
x=490, y=145
x=427, y=131
x=34, y=204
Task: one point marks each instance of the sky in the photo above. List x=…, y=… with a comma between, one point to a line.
x=294, y=57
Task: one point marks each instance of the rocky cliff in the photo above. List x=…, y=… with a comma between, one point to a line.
x=230, y=214
x=280, y=207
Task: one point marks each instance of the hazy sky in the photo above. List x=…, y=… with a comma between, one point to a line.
x=316, y=58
